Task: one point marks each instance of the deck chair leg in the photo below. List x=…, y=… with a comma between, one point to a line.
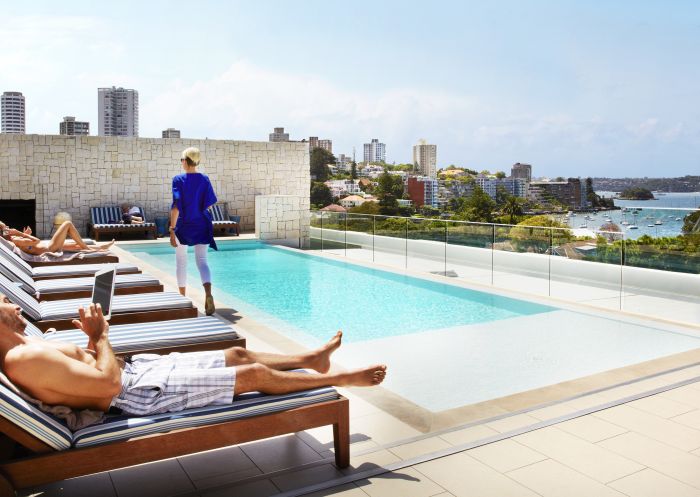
x=341, y=438
x=6, y=488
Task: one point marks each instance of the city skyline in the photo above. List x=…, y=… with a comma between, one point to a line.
x=574, y=89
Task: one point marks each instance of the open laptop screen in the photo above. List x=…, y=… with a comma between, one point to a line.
x=103, y=291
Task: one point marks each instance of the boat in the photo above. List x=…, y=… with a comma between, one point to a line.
x=624, y=223
x=678, y=219
x=632, y=227
x=650, y=225
x=658, y=222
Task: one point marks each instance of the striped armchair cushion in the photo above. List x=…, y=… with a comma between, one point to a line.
x=139, y=302
x=24, y=415
x=127, y=338
x=244, y=406
x=101, y=217
x=217, y=213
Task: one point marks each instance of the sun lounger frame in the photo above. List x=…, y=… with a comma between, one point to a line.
x=46, y=465
x=124, y=318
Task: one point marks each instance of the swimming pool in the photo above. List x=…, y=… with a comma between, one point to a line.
x=447, y=346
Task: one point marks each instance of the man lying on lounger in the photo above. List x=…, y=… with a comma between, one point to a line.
x=94, y=378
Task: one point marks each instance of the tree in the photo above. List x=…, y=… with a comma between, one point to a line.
x=365, y=208
x=389, y=184
x=512, y=208
x=500, y=174
x=353, y=170
x=501, y=195
x=477, y=207
x=691, y=223
x=320, y=158
x=320, y=194
x=388, y=205
x=560, y=178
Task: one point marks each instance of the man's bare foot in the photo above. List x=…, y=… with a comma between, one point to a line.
x=366, y=377
x=320, y=359
x=106, y=246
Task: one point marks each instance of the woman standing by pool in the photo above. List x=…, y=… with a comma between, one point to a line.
x=190, y=222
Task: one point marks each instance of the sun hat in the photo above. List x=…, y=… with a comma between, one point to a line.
x=191, y=153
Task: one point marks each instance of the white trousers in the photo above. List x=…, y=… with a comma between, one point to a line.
x=200, y=257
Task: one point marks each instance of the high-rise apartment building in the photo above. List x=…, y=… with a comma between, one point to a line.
x=314, y=142
x=171, y=133
x=118, y=112
x=278, y=135
x=521, y=171
x=425, y=159
x=375, y=151
x=71, y=127
x=12, y=113
x=423, y=191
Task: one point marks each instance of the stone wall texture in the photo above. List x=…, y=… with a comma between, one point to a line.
x=283, y=219
x=74, y=173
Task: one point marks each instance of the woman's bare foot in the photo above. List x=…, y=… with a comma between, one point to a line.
x=105, y=246
x=320, y=359
x=366, y=377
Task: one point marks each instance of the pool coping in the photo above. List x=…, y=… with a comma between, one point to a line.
x=422, y=419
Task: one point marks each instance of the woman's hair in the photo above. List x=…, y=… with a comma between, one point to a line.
x=191, y=155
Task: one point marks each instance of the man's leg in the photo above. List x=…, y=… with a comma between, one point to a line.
x=260, y=378
x=318, y=359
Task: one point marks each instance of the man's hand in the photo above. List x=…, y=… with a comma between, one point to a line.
x=27, y=231
x=92, y=322
x=173, y=241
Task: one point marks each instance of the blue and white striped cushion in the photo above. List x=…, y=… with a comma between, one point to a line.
x=103, y=215
x=18, y=296
x=127, y=338
x=125, y=226
x=43, y=426
x=80, y=269
x=7, y=251
x=87, y=282
x=32, y=331
x=244, y=406
x=217, y=213
x=13, y=274
x=65, y=309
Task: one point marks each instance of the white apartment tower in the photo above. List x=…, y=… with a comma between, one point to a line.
x=425, y=159
x=118, y=112
x=375, y=151
x=12, y=112
x=278, y=135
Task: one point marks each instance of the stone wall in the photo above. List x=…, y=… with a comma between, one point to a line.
x=282, y=219
x=74, y=173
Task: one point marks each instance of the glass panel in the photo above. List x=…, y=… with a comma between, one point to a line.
x=586, y=268
x=521, y=258
x=359, y=236
x=426, y=245
x=316, y=225
x=468, y=252
x=334, y=232
x=390, y=241
x=660, y=274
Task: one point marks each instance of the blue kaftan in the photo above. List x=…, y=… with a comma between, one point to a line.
x=193, y=194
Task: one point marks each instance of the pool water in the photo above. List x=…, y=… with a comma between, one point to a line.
x=316, y=296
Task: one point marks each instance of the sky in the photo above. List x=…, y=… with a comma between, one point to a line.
x=575, y=88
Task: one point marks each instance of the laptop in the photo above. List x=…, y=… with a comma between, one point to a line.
x=103, y=290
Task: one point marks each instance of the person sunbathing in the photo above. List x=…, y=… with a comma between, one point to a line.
x=59, y=241
x=94, y=378
x=131, y=214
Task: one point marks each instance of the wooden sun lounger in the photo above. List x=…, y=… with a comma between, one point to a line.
x=124, y=318
x=28, y=461
x=103, y=259
x=129, y=290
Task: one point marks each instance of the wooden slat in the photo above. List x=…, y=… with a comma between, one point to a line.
x=125, y=318
x=127, y=290
x=103, y=259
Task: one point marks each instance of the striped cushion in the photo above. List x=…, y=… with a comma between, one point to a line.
x=139, y=302
x=12, y=273
x=7, y=252
x=18, y=296
x=80, y=269
x=244, y=406
x=87, y=283
x=32, y=331
x=43, y=426
x=217, y=213
x=103, y=215
x=127, y=338
x=124, y=226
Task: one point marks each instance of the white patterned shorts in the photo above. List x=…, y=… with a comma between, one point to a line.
x=153, y=383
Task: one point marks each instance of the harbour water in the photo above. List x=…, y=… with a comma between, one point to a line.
x=657, y=218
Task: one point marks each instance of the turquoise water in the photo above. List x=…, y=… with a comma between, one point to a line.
x=312, y=296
